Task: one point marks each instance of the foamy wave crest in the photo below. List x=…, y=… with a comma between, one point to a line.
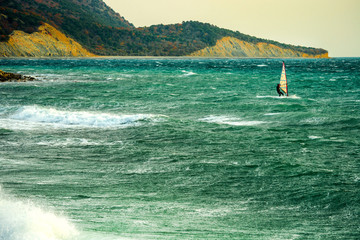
x=230, y=121
x=271, y=114
x=23, y=220
x=77, y=142
x=188, y=73
x=37, y=114
x=314, y=137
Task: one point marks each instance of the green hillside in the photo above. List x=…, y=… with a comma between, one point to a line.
x=73, y=17
x=181, y=39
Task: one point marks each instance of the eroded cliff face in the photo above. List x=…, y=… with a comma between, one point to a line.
x=47, y=41
x=233, y=47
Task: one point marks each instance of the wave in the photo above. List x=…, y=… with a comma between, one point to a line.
x=282, y=97
x=77, y=142
x=26, y=220
x=230, y=121
x=188, y=73
x=271, y=114
x=21, y=220
x=42, y=115
x=314, y=137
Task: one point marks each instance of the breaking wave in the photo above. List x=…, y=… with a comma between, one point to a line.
x=20, y=220
x=41, y=115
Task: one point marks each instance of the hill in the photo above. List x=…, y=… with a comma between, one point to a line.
x=233, y=47
x=102, y=31
x=47, y=41
x=74, y=17
x=187, y=38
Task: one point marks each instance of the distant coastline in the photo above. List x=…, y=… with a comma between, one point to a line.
x=39, y=30
x=160, y=57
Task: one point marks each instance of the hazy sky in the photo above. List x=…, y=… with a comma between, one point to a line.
x=330, y=24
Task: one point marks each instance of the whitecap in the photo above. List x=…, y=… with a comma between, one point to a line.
x=262, y=65
x=230, y=121
x=35, y=116
x=245, y=123
x=76, y=142
x=314, y=120
x=271, y=114
x=278, y=97
x=188, y=73
x=356, y=178
x=314, y=137
x=294, y=97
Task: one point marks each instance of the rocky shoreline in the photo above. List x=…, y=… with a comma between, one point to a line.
x=12, y=77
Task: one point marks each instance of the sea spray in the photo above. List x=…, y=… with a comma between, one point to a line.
x=24, y=220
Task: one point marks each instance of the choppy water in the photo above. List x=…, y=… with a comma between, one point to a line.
x=180, y=149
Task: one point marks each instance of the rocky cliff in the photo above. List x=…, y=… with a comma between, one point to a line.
x=233, y=47
x=47, y=41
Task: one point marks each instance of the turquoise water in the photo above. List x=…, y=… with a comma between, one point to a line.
x=180, y=149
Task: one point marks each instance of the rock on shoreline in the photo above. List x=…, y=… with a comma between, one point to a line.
x=12, y=77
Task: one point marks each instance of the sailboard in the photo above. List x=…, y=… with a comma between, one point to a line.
x=283, y=81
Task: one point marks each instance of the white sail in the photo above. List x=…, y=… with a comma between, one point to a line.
x=283, y=81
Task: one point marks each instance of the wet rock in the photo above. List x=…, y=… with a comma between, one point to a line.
x=12, y=77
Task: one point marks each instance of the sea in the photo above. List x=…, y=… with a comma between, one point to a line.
x=180, y=148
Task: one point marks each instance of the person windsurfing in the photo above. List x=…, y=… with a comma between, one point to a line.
x=278, y=89
x=282, y=88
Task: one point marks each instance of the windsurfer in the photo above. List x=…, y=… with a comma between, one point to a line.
x=279, y=90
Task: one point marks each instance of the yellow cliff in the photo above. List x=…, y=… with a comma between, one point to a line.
x=47, y=41
x=233, y=47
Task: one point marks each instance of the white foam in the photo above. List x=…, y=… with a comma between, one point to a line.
x=188, y=73
x=23, y=220
x=50, y=116
x=77, y=142
x=294, y=97
x=278, y=97
x=271, y=114
x=314, y=120
x=262, y=65
x=314, y=137
x=230, y=121
x=268, y=96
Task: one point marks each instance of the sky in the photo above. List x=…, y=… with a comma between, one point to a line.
x=333, y=25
